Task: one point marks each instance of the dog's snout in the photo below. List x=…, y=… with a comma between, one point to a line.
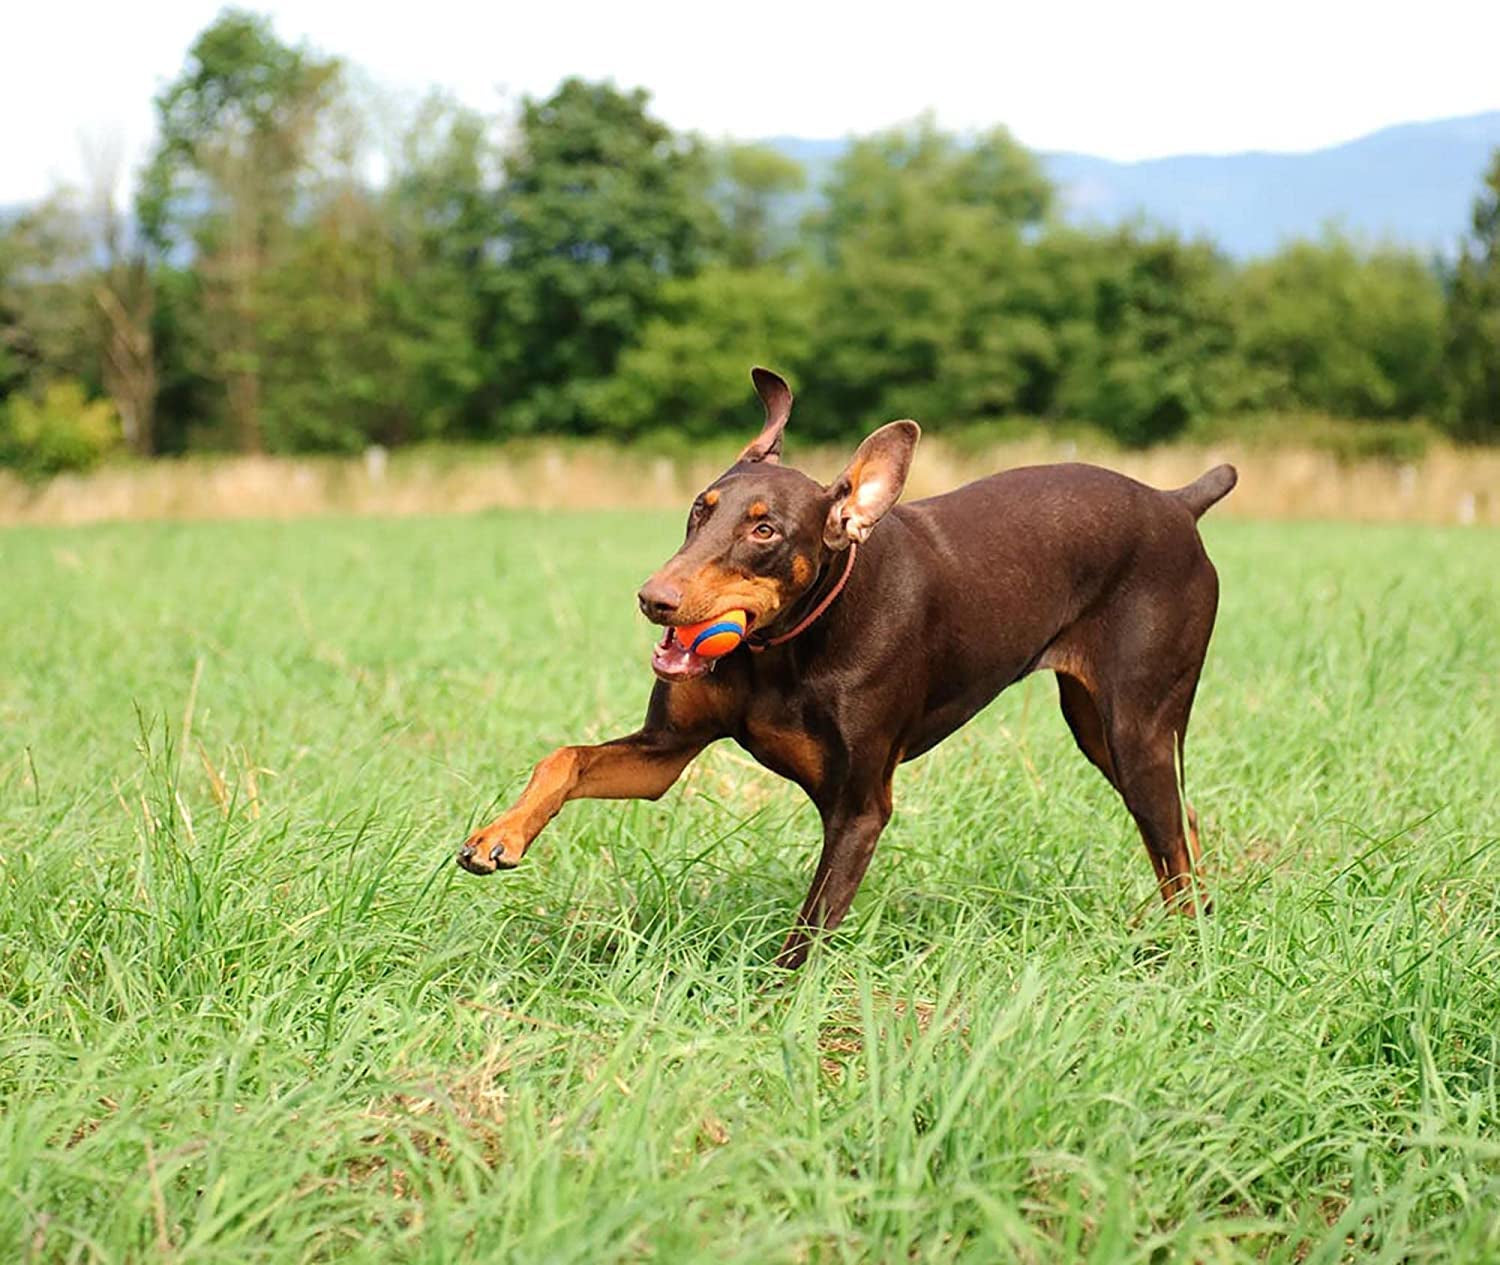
x=659, y=600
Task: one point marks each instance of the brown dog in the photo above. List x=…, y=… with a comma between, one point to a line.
x=876, y=630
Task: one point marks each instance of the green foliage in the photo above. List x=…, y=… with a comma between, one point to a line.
x=234, y=132
x=76, y=300
x=58, y=431
x=689, y=371
x=45, y=301
x=602, y=205
x=1346, y=332
x=925, y=307
x=372, y=320
x=238, y=135
x=438, y=299
x=1144, y=332
x=190, y=402
x=600, y=273
x=1473, y=334
x=248, y=947
x=884, y=184
x=750, y=185
x=946, y=300
x=330, y=363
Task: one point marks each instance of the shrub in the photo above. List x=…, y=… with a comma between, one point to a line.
x=60, y=431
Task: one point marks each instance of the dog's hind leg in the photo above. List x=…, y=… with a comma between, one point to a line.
x=1148, y=759
x=1089, y=732
x=1148, y=676
x=1087, y=726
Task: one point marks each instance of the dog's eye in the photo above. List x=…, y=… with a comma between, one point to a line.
x=763, y=531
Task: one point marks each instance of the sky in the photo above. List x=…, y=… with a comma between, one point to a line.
x=1121, y=80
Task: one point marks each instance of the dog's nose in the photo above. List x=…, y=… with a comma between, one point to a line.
x=659, y=599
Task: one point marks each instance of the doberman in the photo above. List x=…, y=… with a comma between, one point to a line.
x=876, y=630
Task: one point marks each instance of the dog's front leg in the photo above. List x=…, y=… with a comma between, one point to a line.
x=640, y=766
x=851, y=826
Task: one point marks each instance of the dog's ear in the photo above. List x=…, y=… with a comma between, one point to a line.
x=870, y=484
x=777, y=397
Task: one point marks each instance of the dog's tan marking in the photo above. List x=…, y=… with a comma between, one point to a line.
x=713, y=589
x=1065, y=658
x=793, y=753
x=758, y=509
x=711, y=497
x=801, y=569
x=698, y=706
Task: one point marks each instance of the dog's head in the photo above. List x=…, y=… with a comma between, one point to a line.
x=762, y=535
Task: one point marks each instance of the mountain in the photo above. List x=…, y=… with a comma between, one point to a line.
x=1413, y=184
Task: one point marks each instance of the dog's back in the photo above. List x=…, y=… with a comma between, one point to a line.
x=1043, y=541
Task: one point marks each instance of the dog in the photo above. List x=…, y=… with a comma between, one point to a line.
x=875, y=630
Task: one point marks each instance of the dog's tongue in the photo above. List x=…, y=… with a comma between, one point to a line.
x=673, y=662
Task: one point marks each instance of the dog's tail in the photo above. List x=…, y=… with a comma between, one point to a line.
x=1207, y=488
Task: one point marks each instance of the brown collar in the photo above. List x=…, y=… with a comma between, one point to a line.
x=817, y=610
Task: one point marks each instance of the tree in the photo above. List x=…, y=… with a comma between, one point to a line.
x=370, y=313
x=1144, y=332
x=117, y=274
x=237, y=130
x=925, y=308
x=442, y=213
x=76, y=303
x=687, y=373
x=1472, y=350
x=602, y=206
x=1346, y=332
x=755, y=189
x=330, y=378
x=44, y=308
x=58, y=429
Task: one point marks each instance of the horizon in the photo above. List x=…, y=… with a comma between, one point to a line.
x=1118, y=96
x=1337, y=143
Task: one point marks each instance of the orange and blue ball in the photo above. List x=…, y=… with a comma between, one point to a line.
x=713, y=638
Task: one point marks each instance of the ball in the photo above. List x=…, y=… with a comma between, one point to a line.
x=715, y=637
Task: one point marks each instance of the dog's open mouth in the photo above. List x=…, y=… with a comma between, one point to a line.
x=672, y=661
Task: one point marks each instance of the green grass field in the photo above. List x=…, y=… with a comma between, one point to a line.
x=252, y=1011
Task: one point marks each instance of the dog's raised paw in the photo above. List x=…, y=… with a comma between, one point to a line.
x=486, y=851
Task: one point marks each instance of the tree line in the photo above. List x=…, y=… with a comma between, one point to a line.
x=289, y=280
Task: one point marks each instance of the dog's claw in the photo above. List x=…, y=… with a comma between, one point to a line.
x=470, y=858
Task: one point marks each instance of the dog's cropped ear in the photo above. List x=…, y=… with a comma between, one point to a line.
x=777, y=397
x=871, y=483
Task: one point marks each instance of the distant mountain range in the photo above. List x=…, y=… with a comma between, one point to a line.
x=1413, y=184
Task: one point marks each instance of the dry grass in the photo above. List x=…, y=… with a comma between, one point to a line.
x=1448, y=485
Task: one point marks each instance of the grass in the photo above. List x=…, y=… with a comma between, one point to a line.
x=251, y=1011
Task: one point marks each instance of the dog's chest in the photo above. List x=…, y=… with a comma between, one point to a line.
x=776, y=734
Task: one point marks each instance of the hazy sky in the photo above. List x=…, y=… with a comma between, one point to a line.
x=1119, y=79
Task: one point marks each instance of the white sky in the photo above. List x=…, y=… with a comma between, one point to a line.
x=1118, y=79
